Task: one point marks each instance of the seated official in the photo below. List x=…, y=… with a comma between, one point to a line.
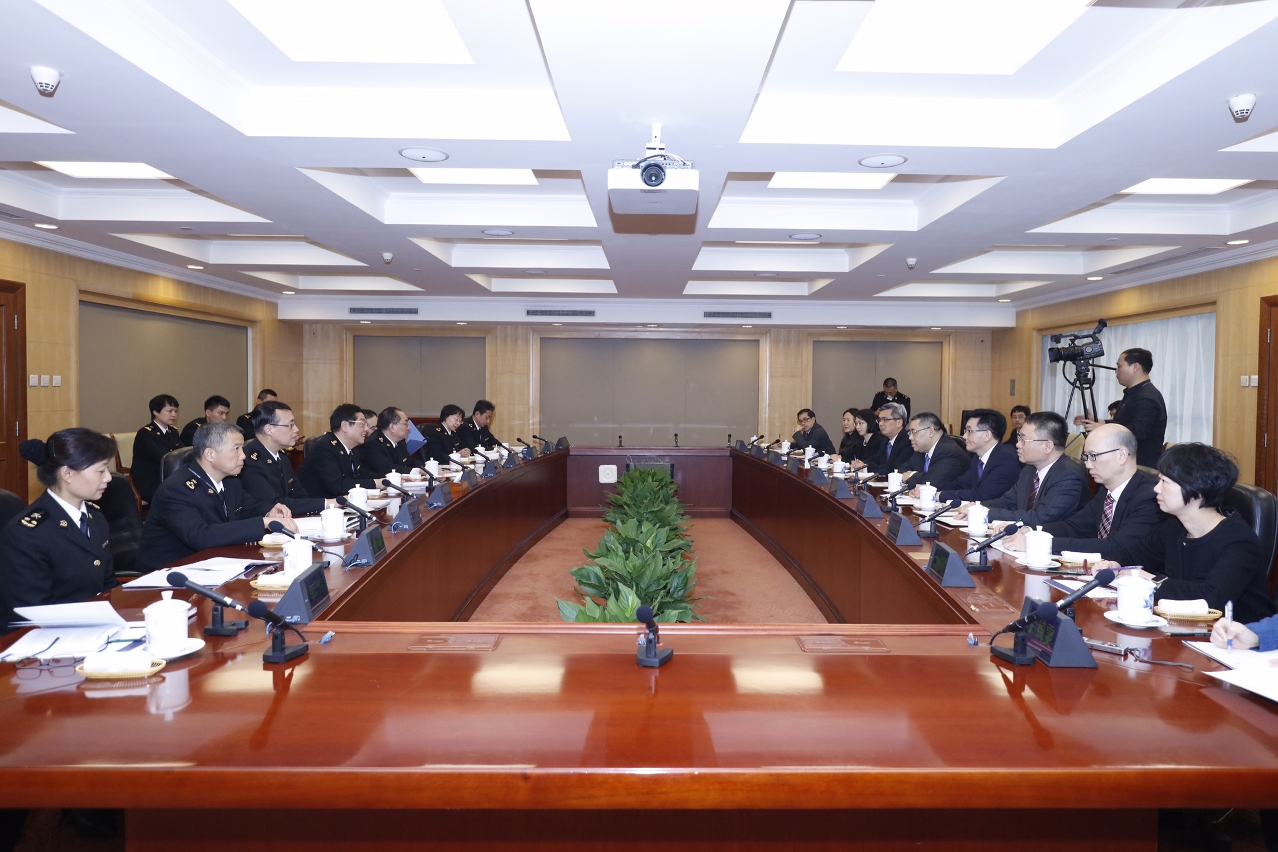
x=811, y=434
x=937, y=459
x=203, y=505
x=860, y=442
x=215, y=408
x=268, y=475
x=890, y=394
x=994, y=468
x=1261, y=635
x=57, y=550
x=896, y=452
x=1124, y=510
x=245, y=421
x=1051, y=486
x=475, y=432
x=444, y=438
x=1201, y=552
x=331, y=467
x=386, y=450
x=152, y=441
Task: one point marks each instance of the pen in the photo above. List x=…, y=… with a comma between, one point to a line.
x=1229, y=616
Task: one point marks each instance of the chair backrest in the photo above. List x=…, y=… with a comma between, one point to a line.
x=1259, y=510
x=10, y=505
x=120, y=508
x=310, y=442
x=175, y=459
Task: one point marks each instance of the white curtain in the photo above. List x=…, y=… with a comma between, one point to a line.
x=1184, y=350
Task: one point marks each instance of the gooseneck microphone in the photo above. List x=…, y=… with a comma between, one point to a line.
x=1042, y=612
x=1010, y=529
x=260, y=610
x=953, y=504
x=403, y=491
x=1103, y=577
x=522, y=441
x=648, y=655
x=539, y=438
x=179, y=580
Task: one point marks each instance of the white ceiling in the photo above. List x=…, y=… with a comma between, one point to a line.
x=1020, y=134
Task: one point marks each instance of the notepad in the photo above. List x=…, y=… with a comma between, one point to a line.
x=47, y=643
x=1235, y=658
x=1262, y=680
x=210, y=573
x=87, y=614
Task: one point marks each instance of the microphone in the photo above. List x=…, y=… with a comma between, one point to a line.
x=258, y=609
x=1042, y=612
x=644, y=614
x=953, y=504
x=676, y=434
x=178, y=579
x=403, y=491
x=539, y=438
x=522, y=441
x=773, y=444
x=648, y=655
x=1103, y=577
x=618, y=440
x=1010, y=529
x=342, y=501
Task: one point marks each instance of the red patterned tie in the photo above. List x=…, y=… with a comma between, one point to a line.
x=1107, y=518
x=1033, y=494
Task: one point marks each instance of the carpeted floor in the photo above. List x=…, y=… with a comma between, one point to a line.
x=738, y=581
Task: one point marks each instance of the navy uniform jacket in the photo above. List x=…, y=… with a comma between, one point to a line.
x=947, y=467
x=1145, y=413
x=379, y=456
x=269, y=481
x=46, y=559
x=149, y=447
x=476, y=436
x=816, y=438
x=188, y=431
x=330, y=470
x=440, y=442
x=245, y=422
x=1062, y=493
x=1000, y=474
x=897, y=456
x=880, y=400
x=187, y=516
x=1136, y=517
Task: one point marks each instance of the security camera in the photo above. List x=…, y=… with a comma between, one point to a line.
x=387, y=256
x=911, y=262
x=46, y=79
x=1241, y=106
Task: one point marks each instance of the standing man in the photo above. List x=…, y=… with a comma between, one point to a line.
x=215, y=408
x=994, y=466
x=891, y=394
x=811, y=434
x=245, y=421
x=895, y=452
x=151, y=443
x=386, y=451
x=331, y=468
x=937, y=459
x=268, y=475
x=475, y=432
x=1143, y=410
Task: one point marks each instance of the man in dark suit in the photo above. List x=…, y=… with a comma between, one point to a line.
x=445, y=438
x=387, y=450
x=891, y=394
x=331, y=468
x=1123, y=512
x=1051, y=486
x=811, y=434
x=152, y=442
x=245, y=420
x=215, y=408
x=475, y=432
x=1019, y=413
x=1143, y=410
x=937, y=458
x=204, y=505
x=268, y=475
x=895, y=452
x=994, y=467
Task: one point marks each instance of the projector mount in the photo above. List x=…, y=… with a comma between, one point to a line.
x=654, y=163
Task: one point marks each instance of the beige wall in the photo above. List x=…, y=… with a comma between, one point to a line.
x=1234, y=294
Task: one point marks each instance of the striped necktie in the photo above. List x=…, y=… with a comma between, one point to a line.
x=1033, y=495
x=1107, y=517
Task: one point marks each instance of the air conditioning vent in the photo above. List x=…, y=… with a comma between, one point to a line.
x=534, y=312
x=737, y=315
x=384, y=311
x=1198, y=252
x=6, y=214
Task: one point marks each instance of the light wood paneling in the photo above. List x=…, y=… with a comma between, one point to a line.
x=965, y=380
x=328, y=375
x=789, y=378
x=508, y=366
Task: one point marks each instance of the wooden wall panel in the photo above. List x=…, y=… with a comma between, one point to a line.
x=328, y=375
x=789, y=378
x=508, y=365
x=965, y=379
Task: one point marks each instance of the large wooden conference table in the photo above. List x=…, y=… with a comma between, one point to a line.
x=412, y=728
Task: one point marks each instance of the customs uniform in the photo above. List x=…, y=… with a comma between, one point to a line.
x=379, y=456
x=330, y=470
x=188, y=431
x=440, y=443
x=270, y=480
x=149, y=447
x=473, y=436
x=189, y=515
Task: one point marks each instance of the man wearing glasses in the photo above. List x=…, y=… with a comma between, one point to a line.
x=1051, y=486
x=1124, y=510
x=994, y=467
x=937, y=459
x=331, y=468
x=895, y=452
x=812, y=434
x=268, y=475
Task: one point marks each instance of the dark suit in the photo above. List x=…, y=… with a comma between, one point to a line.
x=476, y=436
x=245, y=422
x=269, y=480
x=330, y=470
x=1062, y=492
x=999, y=474
x=188, y=431
x=855, y=448
x=1145, y=413
x=46, y=559
x=880, y=400
x=889, y=457
x=1136, y=516
x=149, y=447
x=816, y=438
x=379, y=456
x=188, y=515
x=440, y=442
x=946, y=468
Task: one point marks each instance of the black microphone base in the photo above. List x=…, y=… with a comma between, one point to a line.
x=282, y=653
x=927, y=530
x=663, y=656
x=219, y=627
x=1018, y=655
x=982, y=564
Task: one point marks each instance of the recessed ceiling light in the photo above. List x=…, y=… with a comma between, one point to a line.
x=1111, y=239
x=365, y=322
x=460, y=323
x=556, y=323
x=840, y=326
x=1237, y=242
x=806, y=238
x=653, y=325
x=1096, y=278
x=46, y=226
x=765, y=275
x=124, y=171
x=534, y=272
x=491, y=177
x=194, y=266
x=881, y=161
x=186, y=228
x=1184, y=186
x=936, y=328
x=830, y=180
x=290, y=293
x=498, y=232
x=1005, y=300
x=747, y=326
x=423, y=155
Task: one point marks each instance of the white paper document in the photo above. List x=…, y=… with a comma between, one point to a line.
x=210, y=573
x=1236, y=658
x=1262, y=680
x=87, y=614
x=49, y=642
x=1100, y=593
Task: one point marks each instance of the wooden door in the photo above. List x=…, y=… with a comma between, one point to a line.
x=13, y=393
x=1267, y=399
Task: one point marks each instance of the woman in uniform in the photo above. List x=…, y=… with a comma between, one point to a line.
x=56, y=550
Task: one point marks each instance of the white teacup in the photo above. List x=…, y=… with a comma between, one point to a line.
x=395, y=478
x=978, y=518
x=166, y=629
x=894, y=481
x=297, y=556
x=358, y=496
x=785, y=446
x=927, y=496
x=432, y=467
x=823, y=462
x=840, y=466
x=333, y=523
x=1135, y=598
x=1038, y=548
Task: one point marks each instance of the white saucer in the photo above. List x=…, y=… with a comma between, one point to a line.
x=378, y=504
x=322, y=540
x=1052, y=564
x=878, y=485
x=1157, y=621
x=192, y=645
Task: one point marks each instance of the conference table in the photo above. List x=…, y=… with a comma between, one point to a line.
x=414, y=728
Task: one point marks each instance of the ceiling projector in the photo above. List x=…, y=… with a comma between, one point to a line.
x=658, y=183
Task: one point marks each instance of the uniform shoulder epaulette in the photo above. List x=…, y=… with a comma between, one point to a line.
x=333, y=442
x=94, y=505
x=253, y=456
x=33, y=519
x=148, y=428
x=191, y=483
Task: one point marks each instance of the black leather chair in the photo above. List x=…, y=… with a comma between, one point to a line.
x=310, y=442
x=10, y=505
x=119, y=506
x=175, y=459
x=1259, y=509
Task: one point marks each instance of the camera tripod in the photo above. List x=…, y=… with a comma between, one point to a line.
x=1083, y=383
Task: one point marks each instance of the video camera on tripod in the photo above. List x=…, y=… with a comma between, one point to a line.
x=1089, y=350
x=1081, y=350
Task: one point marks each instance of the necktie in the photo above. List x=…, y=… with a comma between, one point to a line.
x=980, y=470
x=927, y=462
x=1033, y=495
x=1107, y=518
x=84, y=523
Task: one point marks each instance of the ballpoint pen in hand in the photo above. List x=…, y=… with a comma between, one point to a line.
x=1229, y=616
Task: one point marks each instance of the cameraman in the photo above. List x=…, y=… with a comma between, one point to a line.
x=1142, y=410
